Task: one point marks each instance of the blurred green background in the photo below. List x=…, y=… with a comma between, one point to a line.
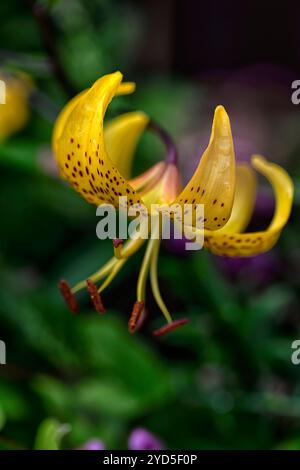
x=226, y=379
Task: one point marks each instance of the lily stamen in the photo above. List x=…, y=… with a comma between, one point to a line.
x=170, y=327
x=154, y=282
x=118, y=266
x=142, y=279
x=68, y=296
x=137, y=312
x=97, y=276
x=95, y=296
x=128, y=250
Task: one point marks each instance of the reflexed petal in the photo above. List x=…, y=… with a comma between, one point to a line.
x=249, y=244
x=78, y=143
x=121, y=136
x=125, y=88
x=60, y=124
x=213, y=183
x=244, y=200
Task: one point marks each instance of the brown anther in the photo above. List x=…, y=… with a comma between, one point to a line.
x=68, y=296
x=137, y=311
x=141, y=319
x=95, y=296
x=170, y=327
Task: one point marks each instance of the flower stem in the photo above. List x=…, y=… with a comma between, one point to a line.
x=171, y=156
x=44, y=22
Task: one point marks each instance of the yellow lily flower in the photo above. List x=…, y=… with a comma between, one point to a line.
x=14, y=112
x=96, y=161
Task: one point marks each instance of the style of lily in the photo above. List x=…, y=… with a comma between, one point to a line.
x=96, y=161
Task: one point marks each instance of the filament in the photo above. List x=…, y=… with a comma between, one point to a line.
x=154, y=282
x=141, y=285
x=97, y=276
x=118, y=266
x=128, y=250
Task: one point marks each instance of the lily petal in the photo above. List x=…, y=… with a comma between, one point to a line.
x=14, y=113
x=123, y=89
x=244, y=200
x=213, y=183
x=121, y=136
x=149, y=178
x=80, y=149
x=224, y=242
x=126, y=88
x=60, y=124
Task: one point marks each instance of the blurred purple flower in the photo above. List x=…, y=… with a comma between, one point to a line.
x=264, y=208
x=258, y=270
x=176, y=246
x=93, y=444
x=256, y=99
x=141, y=439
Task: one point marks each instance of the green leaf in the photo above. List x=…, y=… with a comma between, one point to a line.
x=109, y=397
x=2, y=418
x=20, y=153
x=13, y=403
x=107, y=345
x=50, y=434
x=123, y=378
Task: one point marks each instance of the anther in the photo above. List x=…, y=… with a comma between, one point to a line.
x=95, y=296
x=134, y=321
x=170, y=327
x=68, y=296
